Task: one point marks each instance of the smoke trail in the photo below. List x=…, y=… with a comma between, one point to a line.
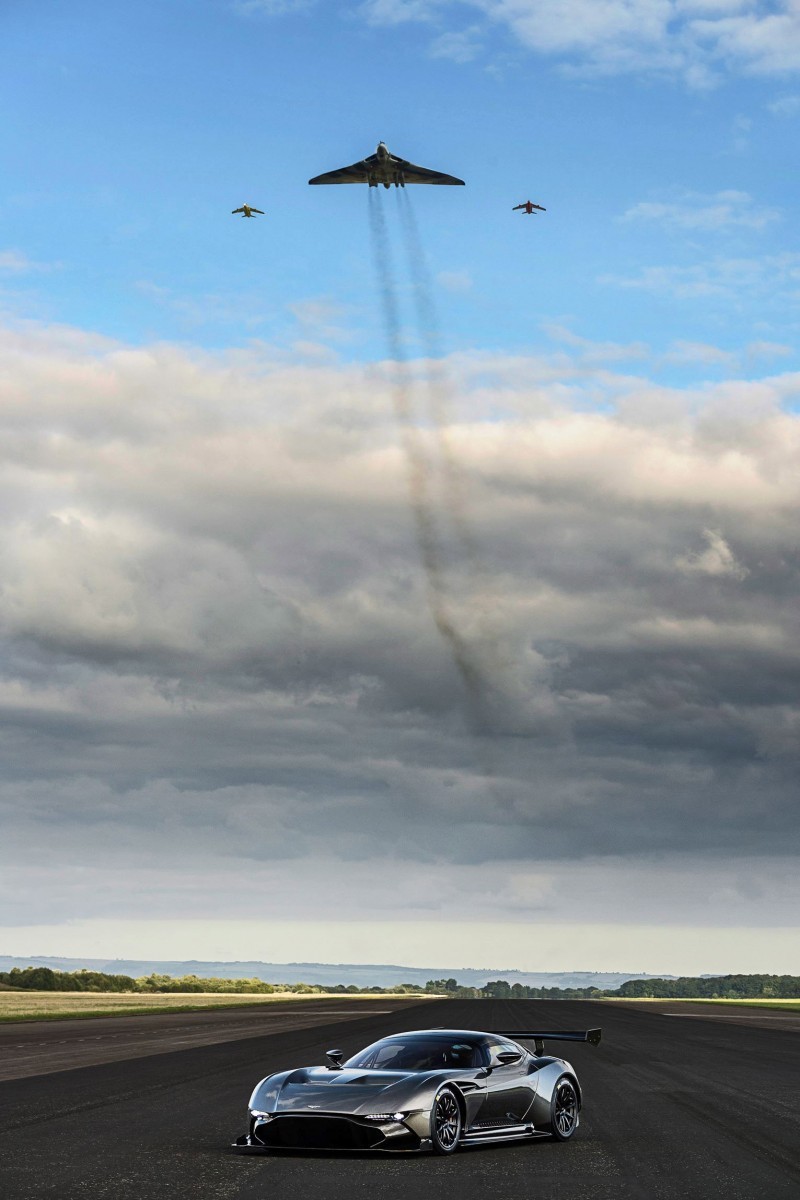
x=419, y=470
x=497, y=666
x=438, y=386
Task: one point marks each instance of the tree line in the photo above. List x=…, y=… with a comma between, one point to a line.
x=721, y=987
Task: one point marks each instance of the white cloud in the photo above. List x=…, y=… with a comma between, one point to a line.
x=591, y=352
x=320, y=317
x=768, y=350
x=224, y=308
x=717, y=558
x=700, y=352
x=785, y=106
x=694, y=211
x=775, y=275
x=455, y=281
x=15, y=262
x=460, y=47
x=272, y=8
x=697, y=40
x=765, y=41
x=398, y=12
x=685, y=353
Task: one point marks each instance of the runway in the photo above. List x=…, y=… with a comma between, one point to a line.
x=45, y=1047
x=695, y=1109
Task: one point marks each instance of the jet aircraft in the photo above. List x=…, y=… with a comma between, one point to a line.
x=247, y=210
x=383, y=167
x=529, y=206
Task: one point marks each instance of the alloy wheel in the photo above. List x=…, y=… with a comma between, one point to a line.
x=565, y=1115
x=446, y=1122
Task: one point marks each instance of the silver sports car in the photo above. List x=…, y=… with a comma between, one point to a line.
x=433, y=1089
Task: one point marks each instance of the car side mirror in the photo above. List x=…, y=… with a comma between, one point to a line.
x=506, y=1057
x=335, y=1057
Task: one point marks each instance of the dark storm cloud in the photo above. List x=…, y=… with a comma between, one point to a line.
x=217, y=647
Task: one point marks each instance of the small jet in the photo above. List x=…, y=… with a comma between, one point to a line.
x=383, y=167
x=247, y=210
x=529, y=206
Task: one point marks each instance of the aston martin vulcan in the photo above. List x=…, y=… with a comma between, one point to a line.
x=433, y=1089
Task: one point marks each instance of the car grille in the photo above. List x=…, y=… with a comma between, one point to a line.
x=318, y=1133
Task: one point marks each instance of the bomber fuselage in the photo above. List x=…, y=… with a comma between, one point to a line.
x=386, y=170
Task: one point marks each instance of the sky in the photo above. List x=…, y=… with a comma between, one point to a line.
x=287, y=676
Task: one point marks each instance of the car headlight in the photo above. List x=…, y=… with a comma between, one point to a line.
x=262, y=1116
x=398, y=1116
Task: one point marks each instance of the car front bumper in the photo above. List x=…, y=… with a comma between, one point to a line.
x=330, y=1131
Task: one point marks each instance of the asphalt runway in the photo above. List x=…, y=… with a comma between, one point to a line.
x=767, y=1017
x=695, y=1109
x=44, y=1047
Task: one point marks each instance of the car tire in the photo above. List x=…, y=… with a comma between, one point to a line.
x=446, y=1122
x=564, y=1109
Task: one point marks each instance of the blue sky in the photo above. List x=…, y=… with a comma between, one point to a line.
x=671, y=201
x=225, y=654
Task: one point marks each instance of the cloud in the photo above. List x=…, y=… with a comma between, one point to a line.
x=455, y=281
x=16, y=262
x=272, y=8
x=215, y=646
x=399, y=12
x=218, y=308
x=685, y=353
x=460, y=47
x=696, y=40
x=776, y=276
x=701, y=353
x=710, y=213
x=785, y=106
x=320, y=317
x=717, y=558
x=591, y=352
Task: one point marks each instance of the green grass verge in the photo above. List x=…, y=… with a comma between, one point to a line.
x=788, y=1005
x=48, y=1008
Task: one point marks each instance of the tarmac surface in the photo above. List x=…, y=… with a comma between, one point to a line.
x=44, y=1047
x=766, y=1017
x=696, y=1108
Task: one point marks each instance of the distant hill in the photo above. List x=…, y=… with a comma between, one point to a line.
x=360, y=974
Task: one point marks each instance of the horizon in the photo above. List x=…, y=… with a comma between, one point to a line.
x=778, y=954
x=497, y=973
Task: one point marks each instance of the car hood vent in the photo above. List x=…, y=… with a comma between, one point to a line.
x=322, y=1077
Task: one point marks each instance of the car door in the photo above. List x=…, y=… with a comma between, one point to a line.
x=510, y=1087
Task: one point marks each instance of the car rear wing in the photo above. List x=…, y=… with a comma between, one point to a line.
x=540, y=1036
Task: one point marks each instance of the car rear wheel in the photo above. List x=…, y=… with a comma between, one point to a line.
x=564, y=1109
x=445, y=1122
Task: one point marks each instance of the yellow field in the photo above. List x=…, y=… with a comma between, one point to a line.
x=44, y=1006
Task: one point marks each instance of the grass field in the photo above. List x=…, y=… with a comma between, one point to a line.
x=789, y=1005
x=48, y=1006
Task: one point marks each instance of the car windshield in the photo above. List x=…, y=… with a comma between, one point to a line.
x=418, y=1054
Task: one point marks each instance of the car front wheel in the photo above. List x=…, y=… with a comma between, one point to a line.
x=564, y=1110
x=445, y=1122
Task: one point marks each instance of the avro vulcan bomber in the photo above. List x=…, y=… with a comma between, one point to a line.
x=383, y=167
